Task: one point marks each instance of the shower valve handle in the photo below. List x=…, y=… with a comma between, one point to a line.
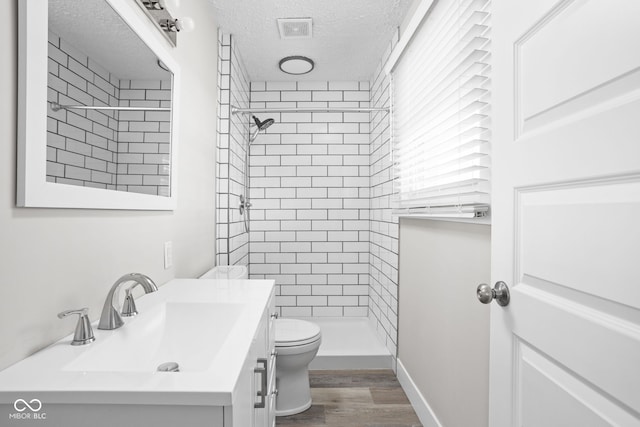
x=244, y=204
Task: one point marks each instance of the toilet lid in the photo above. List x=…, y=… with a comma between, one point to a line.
x=292, y=332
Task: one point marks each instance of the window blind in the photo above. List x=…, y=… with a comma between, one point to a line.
x=441, y=113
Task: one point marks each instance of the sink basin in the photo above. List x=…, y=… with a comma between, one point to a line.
x=206, y=326
x=190, y=334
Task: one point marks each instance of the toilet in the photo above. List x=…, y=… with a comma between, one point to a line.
x=297, y=343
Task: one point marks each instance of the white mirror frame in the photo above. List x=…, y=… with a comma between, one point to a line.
x=32, y=188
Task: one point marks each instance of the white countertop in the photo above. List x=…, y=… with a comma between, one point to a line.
x=47, y=375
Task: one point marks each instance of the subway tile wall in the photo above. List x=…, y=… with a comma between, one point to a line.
x=309, y=176
x=233, y=90
x=127, y=151
x=144, y=144
x=81, y=145
x=383, y=268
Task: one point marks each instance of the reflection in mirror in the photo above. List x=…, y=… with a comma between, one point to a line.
x=108, y=121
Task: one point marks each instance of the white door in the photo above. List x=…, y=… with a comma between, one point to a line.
x=566, y=213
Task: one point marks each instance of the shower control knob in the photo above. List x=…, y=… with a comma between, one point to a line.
x=500, y=293
x=244, y=204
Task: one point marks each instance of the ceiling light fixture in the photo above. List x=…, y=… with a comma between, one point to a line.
x=296, y=65
x=185, y=24
x=153, y=4
x=159, y=12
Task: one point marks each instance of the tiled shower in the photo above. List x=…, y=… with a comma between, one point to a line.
x=321, y=188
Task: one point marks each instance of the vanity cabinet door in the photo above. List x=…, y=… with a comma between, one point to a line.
x=265, y=343
x=259, y=365
x=271, y=351
x=243, y=412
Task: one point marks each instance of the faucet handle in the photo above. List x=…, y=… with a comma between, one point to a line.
x=129, y=308
x=84, y=333
x=81, y=311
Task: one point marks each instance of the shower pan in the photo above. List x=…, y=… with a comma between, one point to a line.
x=245, y=205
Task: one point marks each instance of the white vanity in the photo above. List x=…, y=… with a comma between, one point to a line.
x=219, y=332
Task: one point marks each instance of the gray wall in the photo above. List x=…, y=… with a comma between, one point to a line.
x=443, y=329
x=57, y=259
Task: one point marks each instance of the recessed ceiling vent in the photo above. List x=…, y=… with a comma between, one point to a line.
x=295, y=28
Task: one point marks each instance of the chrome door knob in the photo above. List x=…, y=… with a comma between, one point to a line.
x=500, y=293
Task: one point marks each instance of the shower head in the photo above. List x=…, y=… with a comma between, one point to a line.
x=260, y=126
x=263, y=125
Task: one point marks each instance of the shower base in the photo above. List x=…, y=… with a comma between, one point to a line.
x=349, y=343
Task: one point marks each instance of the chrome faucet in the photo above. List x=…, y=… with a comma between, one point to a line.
x=110, y=318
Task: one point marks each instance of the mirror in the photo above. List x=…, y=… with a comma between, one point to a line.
x=97, y=101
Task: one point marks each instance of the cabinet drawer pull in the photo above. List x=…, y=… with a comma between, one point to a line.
x=262, y=393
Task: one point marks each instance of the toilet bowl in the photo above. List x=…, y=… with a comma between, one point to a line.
x=297, y=343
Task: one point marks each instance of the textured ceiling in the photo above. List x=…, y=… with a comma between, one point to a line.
x=98, y=31
x=349, y=36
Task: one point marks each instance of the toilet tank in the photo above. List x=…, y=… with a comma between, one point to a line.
x=227, y=272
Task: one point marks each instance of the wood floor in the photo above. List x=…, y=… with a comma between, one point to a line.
x=362, y=398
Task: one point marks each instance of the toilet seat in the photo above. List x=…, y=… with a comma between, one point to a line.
x=295, y=332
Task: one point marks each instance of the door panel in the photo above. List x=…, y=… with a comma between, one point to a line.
x=545, y=384
x=562, y=226
x=599, y=349
x=577, y=68
x=566, y=213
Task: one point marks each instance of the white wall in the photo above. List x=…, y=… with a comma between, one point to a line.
x=443, y=329
x=52, y=260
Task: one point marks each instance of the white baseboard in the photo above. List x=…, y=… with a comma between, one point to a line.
x=420, y=405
